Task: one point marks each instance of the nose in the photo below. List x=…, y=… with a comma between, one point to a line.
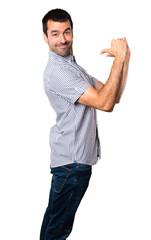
x=62, y=38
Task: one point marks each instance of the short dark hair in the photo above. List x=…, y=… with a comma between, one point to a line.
x=56, y=15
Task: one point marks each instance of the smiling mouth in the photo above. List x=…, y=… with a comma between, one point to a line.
x=62, y=45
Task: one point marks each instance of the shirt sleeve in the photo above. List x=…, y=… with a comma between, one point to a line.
x=94, y=81
x=66, y=84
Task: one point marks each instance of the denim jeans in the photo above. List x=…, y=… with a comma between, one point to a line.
x=68, y=186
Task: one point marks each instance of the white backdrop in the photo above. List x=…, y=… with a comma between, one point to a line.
x=117, y=203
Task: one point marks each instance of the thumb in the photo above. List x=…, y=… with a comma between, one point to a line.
x=105, y=51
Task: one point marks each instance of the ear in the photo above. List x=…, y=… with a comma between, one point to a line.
x=45, y=38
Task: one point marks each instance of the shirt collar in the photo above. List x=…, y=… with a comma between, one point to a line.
x=53, y=55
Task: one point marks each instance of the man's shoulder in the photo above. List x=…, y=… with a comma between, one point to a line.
x=60, y=69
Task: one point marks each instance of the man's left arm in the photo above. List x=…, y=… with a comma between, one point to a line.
x=100, y=85
x=124, y=77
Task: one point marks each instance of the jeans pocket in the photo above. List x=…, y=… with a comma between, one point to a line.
x=60, y=176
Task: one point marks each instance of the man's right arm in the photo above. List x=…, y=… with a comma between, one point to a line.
x=105, y=99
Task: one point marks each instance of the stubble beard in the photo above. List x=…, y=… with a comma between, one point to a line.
x=64, y=52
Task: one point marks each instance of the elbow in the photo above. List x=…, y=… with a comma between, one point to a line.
x=106, y=103
x=107, y=108
x=110, y=110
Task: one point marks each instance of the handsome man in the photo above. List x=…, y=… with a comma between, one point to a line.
x=75, y=96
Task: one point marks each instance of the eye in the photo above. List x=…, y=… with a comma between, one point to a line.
x=67, y=32
x=55, y=34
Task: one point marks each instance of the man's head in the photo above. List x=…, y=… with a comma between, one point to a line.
x=57, y=29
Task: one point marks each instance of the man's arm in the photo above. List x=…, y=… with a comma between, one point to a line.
x=105, y=98
x=100, y=85
x=124, y=77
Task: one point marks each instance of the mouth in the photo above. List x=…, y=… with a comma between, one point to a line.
x=63, y=46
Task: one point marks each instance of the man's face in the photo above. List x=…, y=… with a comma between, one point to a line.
x=60, y=37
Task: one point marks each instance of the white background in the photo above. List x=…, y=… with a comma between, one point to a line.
x=117, y=203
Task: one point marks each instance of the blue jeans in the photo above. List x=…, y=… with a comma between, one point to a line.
x=69, y=184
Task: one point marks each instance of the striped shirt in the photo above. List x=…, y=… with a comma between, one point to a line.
x=74, y=137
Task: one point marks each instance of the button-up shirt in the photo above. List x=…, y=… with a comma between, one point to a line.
x=74, y=137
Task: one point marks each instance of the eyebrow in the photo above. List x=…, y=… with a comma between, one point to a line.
x=67, y=29
x=55, y=31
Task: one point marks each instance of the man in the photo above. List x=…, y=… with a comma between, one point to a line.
x=75, y=96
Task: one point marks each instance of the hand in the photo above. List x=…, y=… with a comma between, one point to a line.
x=119, y=49
x=127, y=59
